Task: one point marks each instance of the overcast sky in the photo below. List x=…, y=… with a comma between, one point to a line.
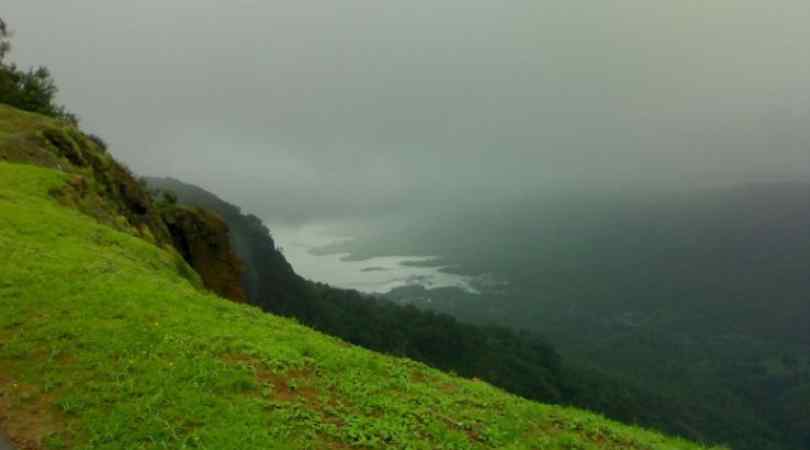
x=296, y=107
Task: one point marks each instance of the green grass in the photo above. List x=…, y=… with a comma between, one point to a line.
x=104, y=345
x=21, y=136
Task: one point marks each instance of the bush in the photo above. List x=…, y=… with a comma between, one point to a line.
x=163, y=199
x=30, y=90
x=100, y=143
x=170, y=198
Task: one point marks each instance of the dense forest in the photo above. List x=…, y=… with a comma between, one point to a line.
x=519, y=361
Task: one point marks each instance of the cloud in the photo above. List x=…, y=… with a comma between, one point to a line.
x=312, y=109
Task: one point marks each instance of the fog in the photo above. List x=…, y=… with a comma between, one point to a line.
x=312, y=110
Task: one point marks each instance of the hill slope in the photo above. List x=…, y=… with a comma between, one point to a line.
x=518, y=362
x=105, y=189
x=106, y=342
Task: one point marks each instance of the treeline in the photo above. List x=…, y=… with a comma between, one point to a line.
x=30, y=90
x=516, y=361
x=522, y=363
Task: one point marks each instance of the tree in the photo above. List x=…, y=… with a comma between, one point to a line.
x=33, y=89
x=5, y=43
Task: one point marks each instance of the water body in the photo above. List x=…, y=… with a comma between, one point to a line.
x=372, y=275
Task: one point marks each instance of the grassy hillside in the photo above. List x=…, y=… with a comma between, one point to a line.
x=105, y=343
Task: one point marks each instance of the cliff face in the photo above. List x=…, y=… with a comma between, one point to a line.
x=105, y=189
x=202, y=239
x=268, y=280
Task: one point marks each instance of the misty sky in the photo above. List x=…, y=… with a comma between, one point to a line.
x=308, y=109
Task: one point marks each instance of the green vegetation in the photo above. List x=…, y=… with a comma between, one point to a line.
x=99, y=186
x=31, y=90
x=104, y=345
x=105, y=189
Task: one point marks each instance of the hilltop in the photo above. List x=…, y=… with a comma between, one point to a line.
x=109, y=340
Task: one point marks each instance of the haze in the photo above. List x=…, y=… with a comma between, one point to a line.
x=310, y=110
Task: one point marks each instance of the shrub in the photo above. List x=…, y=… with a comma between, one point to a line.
x=31, y=90
x=100, y=143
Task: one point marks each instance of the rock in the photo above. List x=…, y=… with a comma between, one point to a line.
x=202, y=238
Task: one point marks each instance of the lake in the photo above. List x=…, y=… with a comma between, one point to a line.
x=372, y=275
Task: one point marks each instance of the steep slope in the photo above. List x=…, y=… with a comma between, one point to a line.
x=202, y=238
x=106, y=190
x=268, y=280
x=104, y=344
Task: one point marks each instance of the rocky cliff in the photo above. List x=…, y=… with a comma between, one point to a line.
x=201, y=237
